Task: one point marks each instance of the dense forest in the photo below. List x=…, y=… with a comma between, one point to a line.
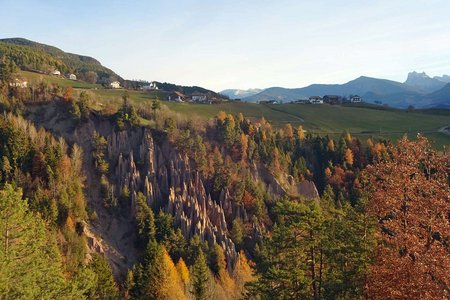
x=95, y=205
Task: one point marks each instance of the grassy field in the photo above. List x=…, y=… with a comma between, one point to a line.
x=360, y=120
x=35, y=78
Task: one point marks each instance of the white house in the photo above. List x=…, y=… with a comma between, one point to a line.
x=316, y=100
x=356, y=99
x=18, y=83
x=73, y=77
x=197, y=97
x=115, y=85
x=176, y=96
x=151, y=86
x=56, y=73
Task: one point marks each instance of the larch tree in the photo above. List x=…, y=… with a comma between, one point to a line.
x=409, y=194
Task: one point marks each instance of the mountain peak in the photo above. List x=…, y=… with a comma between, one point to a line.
x=424, y=82
x=415, y=74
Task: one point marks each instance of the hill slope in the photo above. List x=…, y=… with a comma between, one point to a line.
x=36, y=56
x=440, y=98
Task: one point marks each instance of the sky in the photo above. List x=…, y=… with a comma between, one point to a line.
x=243, y=44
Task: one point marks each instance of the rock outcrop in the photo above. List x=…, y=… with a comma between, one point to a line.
x=169, y=179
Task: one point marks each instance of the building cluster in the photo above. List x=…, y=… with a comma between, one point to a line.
x=193, y=98
x=70, y=76
x=330, y=99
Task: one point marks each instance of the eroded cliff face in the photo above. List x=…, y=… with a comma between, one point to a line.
x=166, y=177
x=144, y=161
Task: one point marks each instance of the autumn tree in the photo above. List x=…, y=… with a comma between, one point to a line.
x=300, y=133
x=409, y=195
x=68, y=94
x=348, y=157
x=183, y=272
x=288, y=131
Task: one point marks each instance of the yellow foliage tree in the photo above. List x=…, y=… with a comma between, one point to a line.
x=330, y=145
x=327, y=172
x=244, y=147
x=349, y=156
x=164, y=281
x=183, y=272
x=288, y=131
x=242, y=273
x=301, y=133
x=221, y=116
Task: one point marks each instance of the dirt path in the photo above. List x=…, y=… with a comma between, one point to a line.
x=445, y=130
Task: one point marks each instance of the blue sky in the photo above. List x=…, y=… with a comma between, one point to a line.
x=243, y=44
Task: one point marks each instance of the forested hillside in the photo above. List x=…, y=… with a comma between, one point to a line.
x=29, y=55
x=143, y=203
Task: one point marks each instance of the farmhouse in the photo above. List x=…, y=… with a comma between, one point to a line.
x=356, y=99
x=20, y=83
x=199, y=97
x=316, y=100
x=56, y=73
x=73, y=77
x=151, y=86
x=115, y=85
x=176, y=96
x=332, y=99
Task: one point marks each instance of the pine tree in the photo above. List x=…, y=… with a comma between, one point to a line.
x=200, y=278
x=145, y=220
x=105, y=287
x=30, y=266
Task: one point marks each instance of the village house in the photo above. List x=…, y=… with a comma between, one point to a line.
x=199, y=97
x=316, y=100
x=20, y=83
x=332, y=99
x=73, y=77
x=151, y=86
x=115, y=85
x=176, y=96
x=356, y=99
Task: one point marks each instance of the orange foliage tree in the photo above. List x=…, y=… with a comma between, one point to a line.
x=409, y=194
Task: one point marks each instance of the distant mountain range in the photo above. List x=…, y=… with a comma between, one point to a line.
x=239, y=94
x=418, y=90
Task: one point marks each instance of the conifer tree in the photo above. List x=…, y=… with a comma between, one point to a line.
x=105, y=287
x=30, y=266
x=200, y=278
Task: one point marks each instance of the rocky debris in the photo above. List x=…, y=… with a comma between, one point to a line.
x=307, y=189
